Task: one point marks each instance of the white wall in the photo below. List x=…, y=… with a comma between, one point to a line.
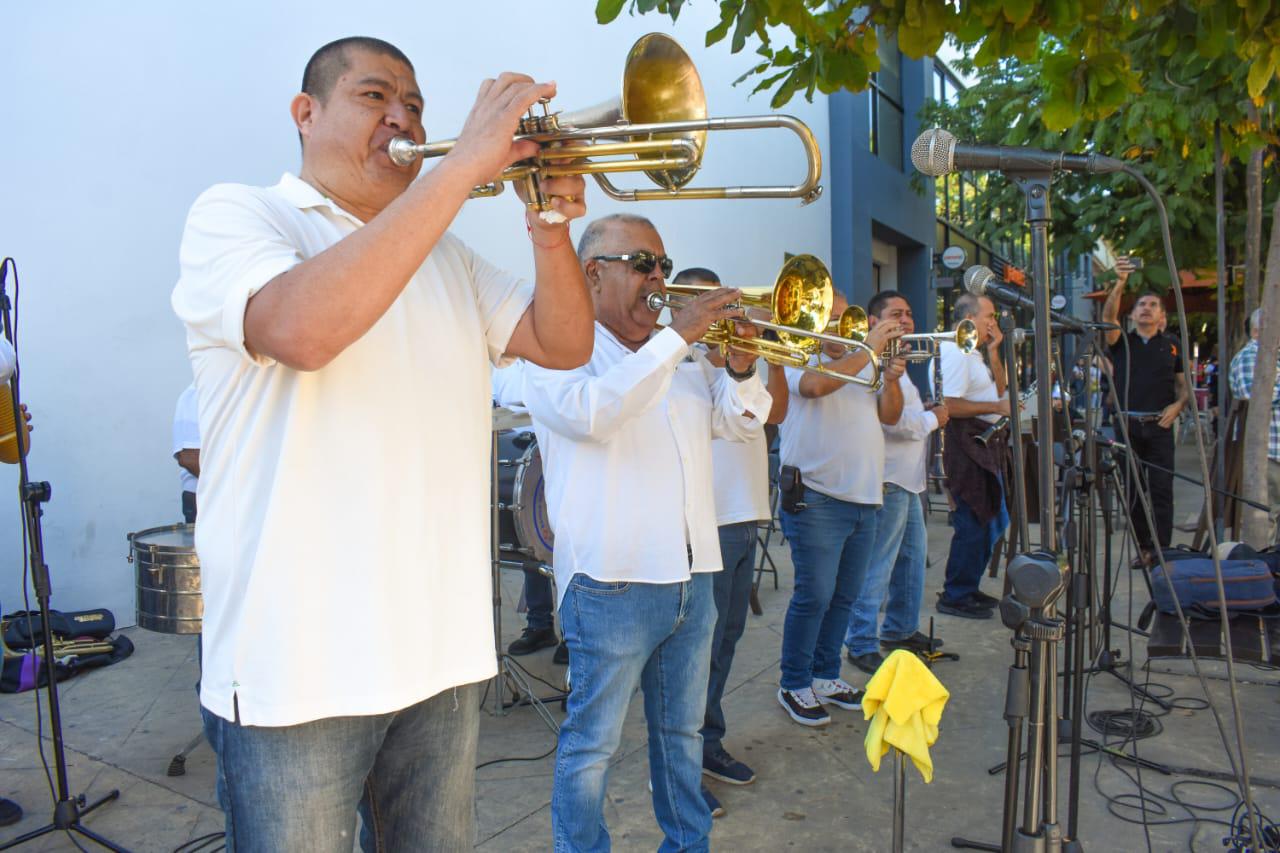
x=886, y=255
x=116, y=115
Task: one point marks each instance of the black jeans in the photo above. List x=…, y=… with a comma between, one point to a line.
x=1152, y=443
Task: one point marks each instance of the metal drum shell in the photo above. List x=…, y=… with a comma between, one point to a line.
x=523, y=527
x=167, y=571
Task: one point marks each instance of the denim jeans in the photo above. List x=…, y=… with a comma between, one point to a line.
x=972, y=545
x=538, y=598
x=622, y=636
x=896, y=569
x=409, y=773
x=732, y=591
x=831, y=544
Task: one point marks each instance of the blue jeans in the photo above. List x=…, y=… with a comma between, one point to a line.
x=732, y=591
x=410, y=774
x=831, y=544
x=539, y=600
x=620, y=636
x=972, y=545
x=896, y=568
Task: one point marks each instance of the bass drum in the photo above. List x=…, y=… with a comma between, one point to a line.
x=524, y=533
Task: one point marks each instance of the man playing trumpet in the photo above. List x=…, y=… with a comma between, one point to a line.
x=626, y=442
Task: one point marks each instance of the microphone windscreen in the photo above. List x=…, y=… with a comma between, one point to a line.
x=933, y=151
x=976, y=279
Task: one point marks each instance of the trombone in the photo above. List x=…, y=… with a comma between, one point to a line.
x=853, y=324
x=799, y=305
x=658, y=125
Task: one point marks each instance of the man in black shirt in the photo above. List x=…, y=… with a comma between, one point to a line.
x=1152, y=391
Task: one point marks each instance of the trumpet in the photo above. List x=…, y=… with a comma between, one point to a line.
x=799, y=306
x=658, y=125
x=853, y=323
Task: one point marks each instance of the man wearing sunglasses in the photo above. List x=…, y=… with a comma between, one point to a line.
x=626, y=445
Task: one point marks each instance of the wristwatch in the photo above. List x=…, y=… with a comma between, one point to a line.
x=740, y=377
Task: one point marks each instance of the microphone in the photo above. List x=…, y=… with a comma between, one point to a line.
x=981, y=281
x=936, y=152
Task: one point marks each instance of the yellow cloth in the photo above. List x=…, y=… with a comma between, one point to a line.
x=904, y=702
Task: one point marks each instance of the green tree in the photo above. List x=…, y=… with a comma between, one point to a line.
x=1088, y=72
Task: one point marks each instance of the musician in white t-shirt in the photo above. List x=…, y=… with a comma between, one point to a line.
x=832, y=438
x=186, y=449
x=895, y=574
x=341, y=341
x=742, y=501
x=976, y=396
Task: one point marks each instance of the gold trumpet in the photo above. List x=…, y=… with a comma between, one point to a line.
x=658, y=125
x=799, y=306
x=853, y=324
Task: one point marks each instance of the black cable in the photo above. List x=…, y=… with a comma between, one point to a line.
x=520, y=758
x=197, y=845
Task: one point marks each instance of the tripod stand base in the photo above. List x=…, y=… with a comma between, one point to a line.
x=66, y=818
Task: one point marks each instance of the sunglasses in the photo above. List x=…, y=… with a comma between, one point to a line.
x=642, y=261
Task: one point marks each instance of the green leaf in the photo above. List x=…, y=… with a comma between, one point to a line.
x=746, y=25
x=607, y=10
x=1060, y=113
x=1260, y=74
x=1018, y=12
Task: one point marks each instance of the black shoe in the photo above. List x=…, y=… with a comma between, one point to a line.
x=965, y=609
x=561, y=656
x=868, y=663
x=531, y=640
x=803, y=706
x=719, y=764
x=917, y=642
x=713, y=804
x=984, y=600
x=10, y=812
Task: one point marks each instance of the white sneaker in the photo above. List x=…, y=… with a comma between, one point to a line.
x=803, y=706
x=837, y=691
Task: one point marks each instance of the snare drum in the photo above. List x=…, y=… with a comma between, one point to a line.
x=524, y=533
x=168, y=579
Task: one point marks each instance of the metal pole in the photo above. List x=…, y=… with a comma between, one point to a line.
x=1010, y=356
x=899, y=800
x=1223, y=335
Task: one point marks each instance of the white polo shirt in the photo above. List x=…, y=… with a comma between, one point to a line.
x=906, y=442
x=186, y=432
x=626, y=451
x=344, y=512
x=835, y=440
x=966, y=375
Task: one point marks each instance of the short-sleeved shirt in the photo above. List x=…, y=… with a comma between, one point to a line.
x=835, y=440
x=967, y=377
x=186, y=433
x=1147, y=385
x=344, y=512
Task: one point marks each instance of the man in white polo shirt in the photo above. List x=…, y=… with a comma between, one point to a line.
x=896, y=568
x=341, y=342
x=833, y=464
x=626, y=442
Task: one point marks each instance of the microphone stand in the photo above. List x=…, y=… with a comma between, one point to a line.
x=1010, y=356
x=68, y=810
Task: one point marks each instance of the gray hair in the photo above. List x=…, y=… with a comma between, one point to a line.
x=967, y=305
x=589, y=244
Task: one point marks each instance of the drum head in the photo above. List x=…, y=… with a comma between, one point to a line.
x=521, y=490
x=175, y=537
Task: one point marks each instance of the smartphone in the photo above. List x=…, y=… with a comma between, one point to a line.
x=1134, y=261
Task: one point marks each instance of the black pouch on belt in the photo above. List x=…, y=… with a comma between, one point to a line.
x=791, y=488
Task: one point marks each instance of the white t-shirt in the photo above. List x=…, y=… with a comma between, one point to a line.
x=741, y=471
x=626, y=450
x=967, y=376
x=836, y=440
x=186, y=432
x=352, y=499
x=906, y=443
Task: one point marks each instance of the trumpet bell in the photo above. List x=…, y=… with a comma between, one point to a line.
x=853, y=323
x=802, y=297
x=967, y=336
x=661, y=84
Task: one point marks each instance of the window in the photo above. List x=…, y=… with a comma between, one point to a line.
x=885, y=99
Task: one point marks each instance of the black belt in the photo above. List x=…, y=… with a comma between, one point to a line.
x=1144, y=419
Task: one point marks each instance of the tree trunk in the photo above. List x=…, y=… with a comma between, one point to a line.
x=1257, y=531
x=1252, y=235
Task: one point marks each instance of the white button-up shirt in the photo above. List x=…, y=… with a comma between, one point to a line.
x=835, y=440
x=966, y=375
x=354, y=498
x=906, y=442
x=626, y=449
